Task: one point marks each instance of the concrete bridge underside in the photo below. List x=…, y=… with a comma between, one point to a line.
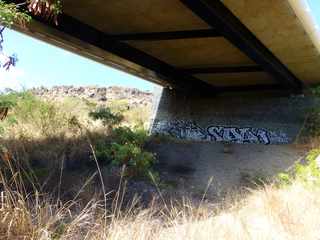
x=233, y=71
x=205, y=53
x=207, y=46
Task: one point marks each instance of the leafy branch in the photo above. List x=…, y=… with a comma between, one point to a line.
x=46, y=9
x=10, y=14
x=15, y=14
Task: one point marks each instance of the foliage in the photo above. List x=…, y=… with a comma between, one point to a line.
x=311, y=129
x=125, y=135
x=47, y=9
x=9, y=100
x=308, y=173
x=127, y=148
x=136, y=117
x=67, y=125
x=316, y=91
x=107, y=117
x=10, y=14
x=33, y=114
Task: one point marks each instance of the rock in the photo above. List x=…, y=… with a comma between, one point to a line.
x=134, y=96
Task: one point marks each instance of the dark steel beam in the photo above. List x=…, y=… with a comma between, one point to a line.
x=174, y=77
x=221, y=18
x=157, y=36
x=253, y=88
x=215, y=70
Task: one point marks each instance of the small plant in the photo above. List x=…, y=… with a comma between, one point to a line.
x=124, y=135
x=137, y=161
x=126, y=147
x=307, y=173
x=107, y=117
x=311, y=130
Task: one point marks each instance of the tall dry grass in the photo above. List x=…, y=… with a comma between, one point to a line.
x=290, y=212
x=287, y=212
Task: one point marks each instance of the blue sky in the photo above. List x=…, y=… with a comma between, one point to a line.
x=315, y=8
x=41, y=64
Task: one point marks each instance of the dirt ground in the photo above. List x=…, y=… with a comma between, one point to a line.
x=191, y=165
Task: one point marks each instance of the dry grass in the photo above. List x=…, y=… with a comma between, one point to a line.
x=291, y=212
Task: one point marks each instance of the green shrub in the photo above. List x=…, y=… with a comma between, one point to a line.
x=124, y=135
x=137, y=161
x=307, y=173
x=311, y=128
x=103, y=151
x=9, y=100
x=107, y=117
x=126, y=147
x=38, y=116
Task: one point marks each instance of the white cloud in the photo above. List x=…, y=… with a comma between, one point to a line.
x=11, y=78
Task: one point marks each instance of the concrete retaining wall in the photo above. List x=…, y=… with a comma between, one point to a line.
x=226, y=136
x=259, y=119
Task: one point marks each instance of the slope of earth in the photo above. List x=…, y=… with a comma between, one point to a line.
x=134, y=97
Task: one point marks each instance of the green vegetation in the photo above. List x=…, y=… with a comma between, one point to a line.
x=107, y=117
x=307, y=173
x=50, y=189
x=310, y=133
x=125, y=146
x=9, y=14
x=42, y=133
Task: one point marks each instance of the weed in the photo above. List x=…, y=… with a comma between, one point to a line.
x=307, y=172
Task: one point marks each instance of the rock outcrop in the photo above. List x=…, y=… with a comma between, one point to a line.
x=135, y=97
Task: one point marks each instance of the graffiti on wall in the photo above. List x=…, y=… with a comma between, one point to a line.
x=190, y=130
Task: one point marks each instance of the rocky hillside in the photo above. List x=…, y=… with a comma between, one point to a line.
x=134, y=96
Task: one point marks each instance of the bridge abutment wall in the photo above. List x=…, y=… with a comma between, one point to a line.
x=227, y=137
x=235, y=118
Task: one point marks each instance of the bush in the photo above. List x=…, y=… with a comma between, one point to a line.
x=48, y=123
x=138, y=161
x=10, y=100
x=33, y=116
x=308, y=173
x=311, y=128
x=107, y=117
x=124, y=135
x=127, y=148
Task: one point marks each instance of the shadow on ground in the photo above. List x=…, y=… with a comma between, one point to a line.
x=64, y=165
x=228, y=165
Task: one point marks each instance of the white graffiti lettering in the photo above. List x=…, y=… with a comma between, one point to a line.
x=191, y=131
